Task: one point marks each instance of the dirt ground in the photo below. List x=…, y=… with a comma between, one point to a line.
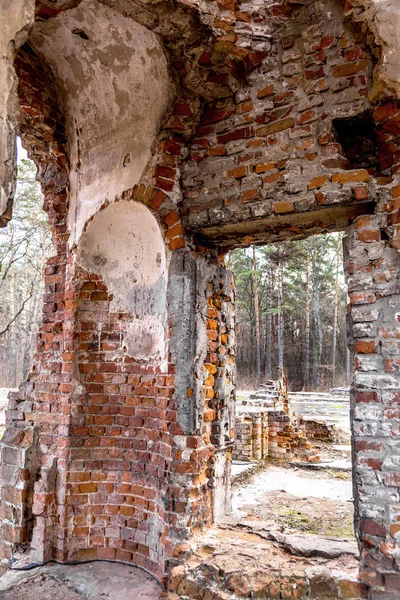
x=41, y=588
x=302, y=512
x=317, y=516
x=88, y=581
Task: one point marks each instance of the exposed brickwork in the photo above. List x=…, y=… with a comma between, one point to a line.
x=274, y=434
x=272, y=149
x=372, y=278
x=113, y=480
x=110, y=457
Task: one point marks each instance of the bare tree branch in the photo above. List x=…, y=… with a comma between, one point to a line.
x=15, y=317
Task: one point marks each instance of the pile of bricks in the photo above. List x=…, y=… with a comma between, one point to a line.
x=266, y=428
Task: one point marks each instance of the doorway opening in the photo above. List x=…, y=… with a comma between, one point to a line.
x=292, y=466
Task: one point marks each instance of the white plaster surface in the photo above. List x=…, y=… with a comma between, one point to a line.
x=115, y=87
x=124, y=246
x=3, y=403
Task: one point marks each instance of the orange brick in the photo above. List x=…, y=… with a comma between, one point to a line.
x=271, y=178
x=350, y=68
x=250, y=195
x=317, y=182
x=267, y=91
x=176, y=243
x=361, y=176
x=368, y=235
x=237, y=172
x=275, y=127
x=361, y=192
x=262, y=167
x=396, y=191
x=362, y=347
x=364, y=221
x=244, y=107
x=217, y=151
x=283, y=207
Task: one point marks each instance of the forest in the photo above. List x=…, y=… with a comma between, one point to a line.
x=25, y=245
x=291, y=313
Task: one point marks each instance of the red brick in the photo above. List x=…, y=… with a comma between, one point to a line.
x=365, y=347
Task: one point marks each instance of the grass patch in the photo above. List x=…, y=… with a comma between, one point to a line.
x=337, y=526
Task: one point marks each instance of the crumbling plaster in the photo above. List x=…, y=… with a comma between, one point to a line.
x=123, y=244
x=16, y=16
x=113, y=78
x=382, y=17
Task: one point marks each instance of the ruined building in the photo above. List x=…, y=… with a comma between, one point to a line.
x=165, y=133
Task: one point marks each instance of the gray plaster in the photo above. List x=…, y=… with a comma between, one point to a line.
x=16, y=18
x=182, y=319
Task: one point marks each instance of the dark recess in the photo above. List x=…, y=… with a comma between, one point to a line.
x=357, y=136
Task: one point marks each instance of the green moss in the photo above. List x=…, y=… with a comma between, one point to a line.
x=340, y=527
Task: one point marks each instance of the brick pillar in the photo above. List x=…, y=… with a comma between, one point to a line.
x=372, y=267
x=257, y=437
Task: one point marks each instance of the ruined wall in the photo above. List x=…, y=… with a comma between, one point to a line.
x=102, y=457
x=297, y=148
x=374, y=316
x=119, y=444
x=39, y=411
x=16, y=18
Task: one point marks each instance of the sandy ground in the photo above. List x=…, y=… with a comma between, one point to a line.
x=90, y=581
x=299, y=500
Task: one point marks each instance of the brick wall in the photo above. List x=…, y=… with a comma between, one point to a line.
x=264, y=163
x=265, y=159
x=96, y=463
x=372, y=279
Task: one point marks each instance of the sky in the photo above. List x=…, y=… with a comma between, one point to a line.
x=21, y=153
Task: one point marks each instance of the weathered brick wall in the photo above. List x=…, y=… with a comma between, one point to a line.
x=265, y=163
x=37, y=413
x=271, y=153
x=274, y=434
x=99, y=461
x=373, y=282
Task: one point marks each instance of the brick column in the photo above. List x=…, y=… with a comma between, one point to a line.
x=372, y=267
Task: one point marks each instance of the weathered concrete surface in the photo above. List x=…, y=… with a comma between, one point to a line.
x=89, y=581
x=311, y=545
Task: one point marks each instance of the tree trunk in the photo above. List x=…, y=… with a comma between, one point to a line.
x=13, y=340
x=280, y=312
x=348, y=367
x=268, y=327
x=317, y=350
x=25, y=315
x=335, y=318
x=307, y=328
x=257, y=320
